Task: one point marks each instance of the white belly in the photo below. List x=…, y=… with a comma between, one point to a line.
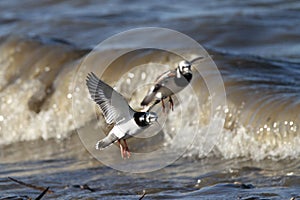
x=130, y=128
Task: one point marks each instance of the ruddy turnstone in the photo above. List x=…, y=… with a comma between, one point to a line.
x=169, y=83
x=116, y=110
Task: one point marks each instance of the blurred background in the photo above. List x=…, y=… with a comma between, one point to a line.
x=256, y=46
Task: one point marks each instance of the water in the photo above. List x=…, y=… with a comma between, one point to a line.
x=255, y=46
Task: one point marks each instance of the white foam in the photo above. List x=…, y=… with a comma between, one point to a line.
x=234, y=140
x=22, y=124
x=19, y=123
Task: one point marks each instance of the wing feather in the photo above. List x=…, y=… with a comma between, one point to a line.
x=165, y=76
x=113, y=105
x=159, y=82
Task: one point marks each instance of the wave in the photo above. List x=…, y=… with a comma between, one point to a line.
x=35, y=88
x=262, y=112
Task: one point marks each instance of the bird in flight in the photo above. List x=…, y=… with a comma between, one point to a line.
x=116, y=110
x=169, y=83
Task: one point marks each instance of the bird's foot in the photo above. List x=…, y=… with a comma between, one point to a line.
x=126, y=150
x=127, y=153
x=122, y=150
x=171, y=103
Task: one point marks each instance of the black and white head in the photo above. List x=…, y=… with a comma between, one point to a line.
x=144, y=119
x=184, y=67
x=150, y=117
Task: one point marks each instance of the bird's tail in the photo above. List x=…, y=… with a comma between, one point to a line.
x=107, y=141
x=150, y=96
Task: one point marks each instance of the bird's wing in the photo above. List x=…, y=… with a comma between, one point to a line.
x=160, y=81
x=165, y=77
x=113, y=105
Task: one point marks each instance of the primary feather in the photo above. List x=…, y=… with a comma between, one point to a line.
x=113, y=105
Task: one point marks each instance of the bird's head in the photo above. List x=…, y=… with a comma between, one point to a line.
x=150, y=117
x=184, y=67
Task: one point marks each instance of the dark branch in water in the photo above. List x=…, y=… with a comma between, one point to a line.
x=32, y=186
x=42, y=194
x=84, y=187
x=143, y=195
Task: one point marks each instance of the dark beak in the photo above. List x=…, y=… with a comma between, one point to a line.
x=153, y=119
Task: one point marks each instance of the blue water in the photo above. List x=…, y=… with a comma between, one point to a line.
x=261, y=28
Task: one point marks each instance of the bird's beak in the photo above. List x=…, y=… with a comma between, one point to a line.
x=153, y=119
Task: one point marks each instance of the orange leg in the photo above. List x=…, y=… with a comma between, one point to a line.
x=126, y=151
x=121, y=149
x=171, y=103
x=163, y=105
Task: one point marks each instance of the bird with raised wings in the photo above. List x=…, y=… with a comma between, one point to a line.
x=116, y=110
x=169, y=83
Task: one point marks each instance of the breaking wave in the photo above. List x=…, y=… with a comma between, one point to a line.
x=262, y=112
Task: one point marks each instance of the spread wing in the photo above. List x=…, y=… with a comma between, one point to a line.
x=113, y=105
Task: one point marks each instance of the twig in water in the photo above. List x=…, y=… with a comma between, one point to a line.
x=84, y=187
x=31, y=186
x=42, y=194
x=143, y=195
